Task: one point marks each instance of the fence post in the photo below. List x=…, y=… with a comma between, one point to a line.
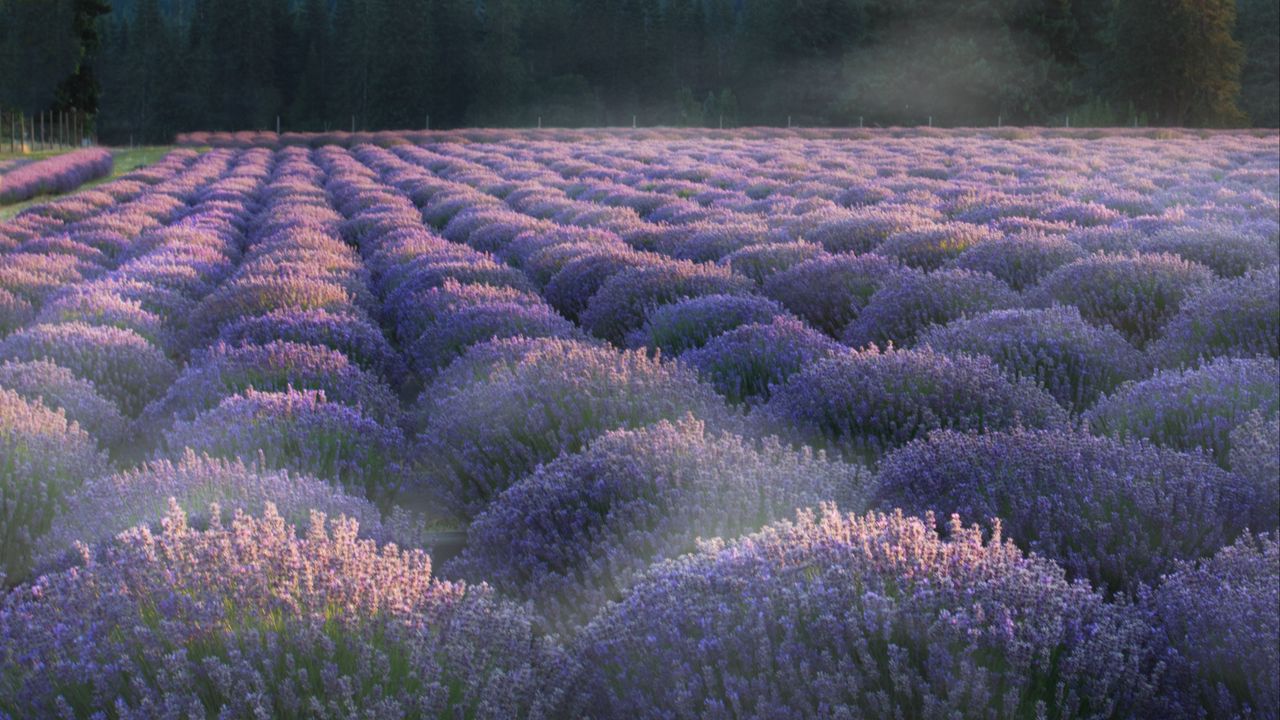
x=859, y=121
x=353, y=124
x=999, y=121
x=277, y=126
x=788, y=122
x=930, y=121
x=633, y=122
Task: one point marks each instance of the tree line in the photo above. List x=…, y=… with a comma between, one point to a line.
x=157, y=67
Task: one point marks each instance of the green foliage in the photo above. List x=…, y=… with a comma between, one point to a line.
x=168, y=66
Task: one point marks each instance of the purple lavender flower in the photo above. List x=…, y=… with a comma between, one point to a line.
x=43, y=458
x=570, y=289
x=873, y=616
x=830, y=291
x=59, y=389
x=1221, y=617
x=58, y=174
x=910, y=303
x=481, y=438
x=1191, y=409
x=1116, y=514
x=120, y=363
x=223, y=371
x=761, y=261
x=625, y=300
x=688, y=324
x=863, y=404
x=576, y=533
x=453, y=332
x=251, y=619
x=1019, y=260
x=1075, y=361
x=1135, y=294
x=931, y=247
x=1238, y=317
x=299, y=430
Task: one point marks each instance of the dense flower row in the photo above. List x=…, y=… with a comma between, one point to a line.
x=578, y=321
x=57, y=174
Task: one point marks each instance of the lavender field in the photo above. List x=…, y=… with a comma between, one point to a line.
x=660, y=424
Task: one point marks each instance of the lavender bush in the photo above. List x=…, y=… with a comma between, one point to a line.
x=625, y=301
x=1239, y=317
x=481, y=438
x=1255, y=457
x=830, y=291
x=1135, y=294
x=1117, y=514
x=1021, y=260
x=689, y=324
x=120, y=363
x=58, y=174
x=576, y=533
x=42, y=458
x=108, y=505
x=1222, y=617
x=906, y=305
x=59, y=389
x=1075, y=361
x=746, y=363
x=251, y=619
x=846, y=616
x=863, y=404
x=1191, y=409
x=299, y=430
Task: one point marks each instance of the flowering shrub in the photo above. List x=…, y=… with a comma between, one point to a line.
x=101, y=307
x=762, y=261
x=58, y=174
x=223, y=371
x=1075, y=361
x=59, y=389
x=1229, y=252
x=1019, y=260
x=744, y=364
x=108, y=505
x=1135, y=294
x=556, y=398
x=931, y=247
x=570, y=289
x=872, y=616
x=348, y=333
x=1239, y=317
x=1255, y=457
x=42, y=458
x=576, y=533
x=120, y=363
x=15, y=312
x=863, y=404
x=323, y=625
x=688, y=324
x=625, y=300
x=910, y=303
x=1122, y=513
x=830, y=291
x=298, y=430
x=452, y=333
x=1191, y=409
x=257, y=295
x=1222, y=617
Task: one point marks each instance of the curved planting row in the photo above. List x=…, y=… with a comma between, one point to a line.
x=58, y=174
x=734, y=428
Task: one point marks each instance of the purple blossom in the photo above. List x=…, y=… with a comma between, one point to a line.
x=59, y=389
x=911, y=302
x=44, y=458
x=1238, y=317
x=577, y=532
x=251, y=619
x=1019, y=260
x=829, y=291
x=1191, y=409
x=872, y=616
x=1117, y=514
x=58, y=174
x=863, y=404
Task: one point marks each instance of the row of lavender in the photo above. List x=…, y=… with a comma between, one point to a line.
x=388, y=138
x=582, y=465
x=58, y=174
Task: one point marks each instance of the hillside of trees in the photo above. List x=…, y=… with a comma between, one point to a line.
x=166, y=66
